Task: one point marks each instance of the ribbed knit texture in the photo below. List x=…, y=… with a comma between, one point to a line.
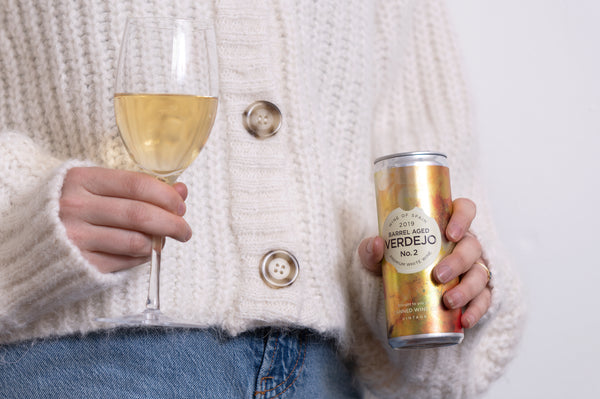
x=354, y=80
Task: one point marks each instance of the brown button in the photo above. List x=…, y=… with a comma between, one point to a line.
x=262, y=119
x=279, y=269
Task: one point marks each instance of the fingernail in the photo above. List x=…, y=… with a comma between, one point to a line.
x=453, y=231
x=369, y=247
x=181, y=209
x=453, y=299
x=443, y=273
x=469, y=321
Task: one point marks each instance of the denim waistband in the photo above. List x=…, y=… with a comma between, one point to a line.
x=173, y=363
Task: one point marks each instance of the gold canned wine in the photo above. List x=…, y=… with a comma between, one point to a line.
x=414, y=205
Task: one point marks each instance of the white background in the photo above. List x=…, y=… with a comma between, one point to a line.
x=533, y=67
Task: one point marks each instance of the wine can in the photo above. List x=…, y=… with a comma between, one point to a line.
x=414, y=204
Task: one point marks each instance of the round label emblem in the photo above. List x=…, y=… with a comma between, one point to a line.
x=412, y=240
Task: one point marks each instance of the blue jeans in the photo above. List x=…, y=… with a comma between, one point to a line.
x=162, y=363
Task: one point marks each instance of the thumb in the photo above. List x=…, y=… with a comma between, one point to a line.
x=370, y=252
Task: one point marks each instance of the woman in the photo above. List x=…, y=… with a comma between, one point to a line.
x=351, y=81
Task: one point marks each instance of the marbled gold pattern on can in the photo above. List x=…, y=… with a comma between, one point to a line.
x=414, y=205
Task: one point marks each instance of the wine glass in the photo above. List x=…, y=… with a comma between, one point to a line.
x=165, y=105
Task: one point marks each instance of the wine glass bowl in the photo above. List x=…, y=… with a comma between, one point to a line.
x=166, y=92
x=164, y=133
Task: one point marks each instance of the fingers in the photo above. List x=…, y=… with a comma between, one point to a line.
x=101, y=197
x=463, y=213
x=109, y=263
x=110, y=215
x=100, y=239
x=130, y=185
x=137, y=216
x=477, y=308
x=470, y=286
x=466, y=252
x=181, y=190
x=370, y=252
x=472, y=292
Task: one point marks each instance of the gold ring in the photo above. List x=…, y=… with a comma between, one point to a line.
x=489, y=273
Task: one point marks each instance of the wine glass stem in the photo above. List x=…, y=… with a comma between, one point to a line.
x=153, y=300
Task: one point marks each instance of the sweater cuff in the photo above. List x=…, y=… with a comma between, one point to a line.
x=45, y=270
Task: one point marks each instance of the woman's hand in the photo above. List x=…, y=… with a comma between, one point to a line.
x=111, y=215
x=472, y=291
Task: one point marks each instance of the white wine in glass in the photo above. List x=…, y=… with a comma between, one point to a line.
x=164, y=132
x=165, y=105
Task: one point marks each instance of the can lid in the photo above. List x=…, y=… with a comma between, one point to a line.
x=410, y=154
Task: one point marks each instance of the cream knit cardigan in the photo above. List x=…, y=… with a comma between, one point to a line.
x=354, y=80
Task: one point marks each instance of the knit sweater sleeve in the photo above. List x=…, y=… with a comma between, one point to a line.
x=425, y=99
x=40, y=269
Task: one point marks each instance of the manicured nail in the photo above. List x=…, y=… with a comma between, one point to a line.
x=443, y=273
x=453, y=299
x=453, y=231
x=469, y=321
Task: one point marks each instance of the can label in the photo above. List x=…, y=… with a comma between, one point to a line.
x=412, y=240
x=414, y=204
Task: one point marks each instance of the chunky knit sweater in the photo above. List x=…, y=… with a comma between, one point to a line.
x=353, y=79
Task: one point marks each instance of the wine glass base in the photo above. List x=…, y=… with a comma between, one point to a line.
x=147, y=318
